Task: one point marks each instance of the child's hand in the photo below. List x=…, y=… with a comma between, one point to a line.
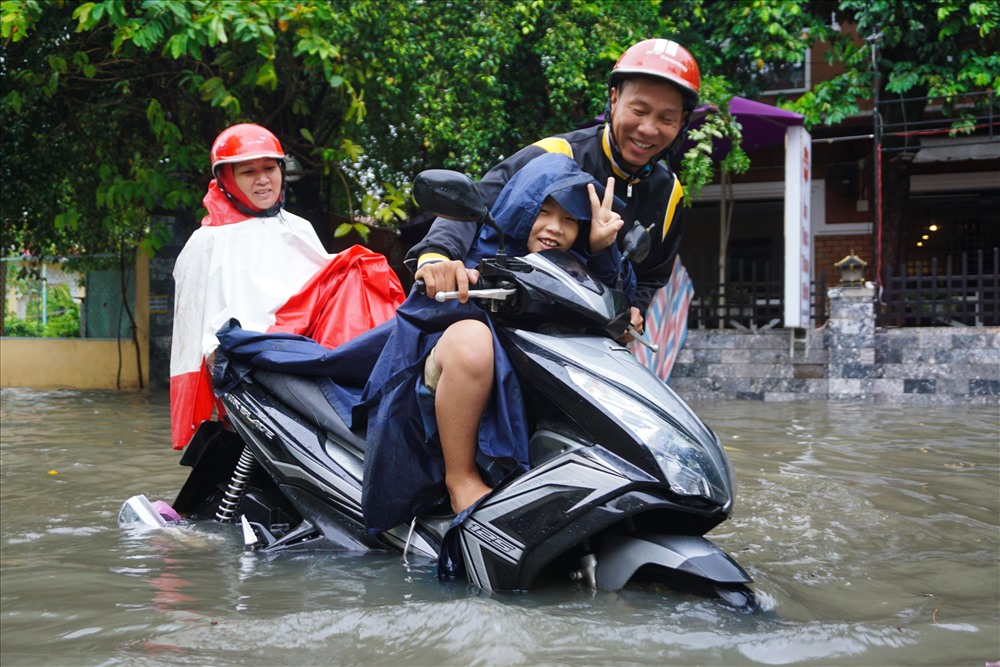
x=604, y=223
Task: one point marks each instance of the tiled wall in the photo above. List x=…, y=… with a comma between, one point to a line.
x=847, y=359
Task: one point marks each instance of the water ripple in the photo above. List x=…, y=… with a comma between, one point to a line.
x=871, y=531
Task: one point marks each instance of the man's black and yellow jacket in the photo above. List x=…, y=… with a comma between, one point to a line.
x=653, y=197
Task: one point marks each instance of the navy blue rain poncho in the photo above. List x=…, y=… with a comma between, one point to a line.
x=404, y=468
x=518, y=204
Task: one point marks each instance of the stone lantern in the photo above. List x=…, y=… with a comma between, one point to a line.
x=852, y=271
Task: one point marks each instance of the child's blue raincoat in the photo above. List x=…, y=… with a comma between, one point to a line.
x=376, y=379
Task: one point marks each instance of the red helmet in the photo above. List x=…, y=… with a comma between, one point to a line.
x=243, y=142
x=661, y=59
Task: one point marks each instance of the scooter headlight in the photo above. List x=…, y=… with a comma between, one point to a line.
x=686, y=464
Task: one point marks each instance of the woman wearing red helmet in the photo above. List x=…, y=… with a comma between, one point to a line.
x=254, y=261
x=249, y=167
x=653, y=88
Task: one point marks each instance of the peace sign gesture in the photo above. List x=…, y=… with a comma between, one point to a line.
x=604, y=223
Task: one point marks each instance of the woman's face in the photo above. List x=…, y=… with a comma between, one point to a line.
x=554, y=228
x=259, y=180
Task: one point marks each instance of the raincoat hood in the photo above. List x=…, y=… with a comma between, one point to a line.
x=519, y=203
x=226, y=204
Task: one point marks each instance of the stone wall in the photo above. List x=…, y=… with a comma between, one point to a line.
x=161, y=299
x=846, y=359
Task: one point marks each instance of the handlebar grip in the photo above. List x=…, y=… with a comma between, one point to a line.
x=494, y=293
x=420, y=286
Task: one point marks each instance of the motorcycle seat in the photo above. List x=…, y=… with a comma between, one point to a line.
x=303, y=394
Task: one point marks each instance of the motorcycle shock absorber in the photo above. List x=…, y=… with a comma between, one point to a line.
x=588, y=567
x=587, y=571
x=237, y=487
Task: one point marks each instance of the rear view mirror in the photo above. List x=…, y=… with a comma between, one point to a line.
x=636, y=244
x=449, y=194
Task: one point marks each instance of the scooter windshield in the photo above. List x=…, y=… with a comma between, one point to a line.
x=568, y=264
x=564, y=279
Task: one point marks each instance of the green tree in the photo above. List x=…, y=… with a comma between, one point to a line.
x=61, y=318
x=112, y=106
x=945, y=50
x=109, y=107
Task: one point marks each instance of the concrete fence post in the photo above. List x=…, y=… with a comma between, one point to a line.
x=850, y=341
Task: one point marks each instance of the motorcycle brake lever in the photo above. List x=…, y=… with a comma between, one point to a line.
x=642, y=339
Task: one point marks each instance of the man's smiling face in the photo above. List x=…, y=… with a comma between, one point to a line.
x=646, y=116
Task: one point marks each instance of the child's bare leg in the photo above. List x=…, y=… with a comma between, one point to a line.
x=464, y=357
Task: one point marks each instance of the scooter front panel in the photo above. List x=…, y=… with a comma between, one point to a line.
x=506, y=526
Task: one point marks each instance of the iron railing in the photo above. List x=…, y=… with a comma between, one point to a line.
x=957, y=292
x=962, y=290
x=749, y=303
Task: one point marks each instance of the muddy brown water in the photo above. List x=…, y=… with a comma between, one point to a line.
x=871, y=531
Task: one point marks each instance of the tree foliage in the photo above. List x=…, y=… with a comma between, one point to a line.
x=941, y=49
x=914, y=56
x=109, y=107
x=62, y=314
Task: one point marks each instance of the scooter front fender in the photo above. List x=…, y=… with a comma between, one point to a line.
x=622, y=555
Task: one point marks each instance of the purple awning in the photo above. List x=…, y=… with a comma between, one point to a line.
x=763, y=125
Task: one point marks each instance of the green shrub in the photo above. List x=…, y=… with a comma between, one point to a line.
x=62, y=316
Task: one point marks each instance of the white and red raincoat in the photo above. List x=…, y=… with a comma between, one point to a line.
x=271, y=274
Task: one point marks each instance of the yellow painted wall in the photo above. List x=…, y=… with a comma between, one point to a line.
x=82, y=363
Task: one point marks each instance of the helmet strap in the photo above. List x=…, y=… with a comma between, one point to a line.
x=675, y=147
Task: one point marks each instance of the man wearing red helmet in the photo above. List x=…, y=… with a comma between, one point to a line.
x=265, y=266
x=653, y=88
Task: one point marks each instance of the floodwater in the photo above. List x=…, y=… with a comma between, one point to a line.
x=871, y=531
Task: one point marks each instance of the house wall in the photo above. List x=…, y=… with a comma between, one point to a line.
x=82, y=363
x=847, y=359
x=828, y=250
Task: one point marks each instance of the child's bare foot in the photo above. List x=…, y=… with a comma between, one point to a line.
x=466, y=492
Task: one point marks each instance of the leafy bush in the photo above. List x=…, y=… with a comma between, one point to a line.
x=62, y=316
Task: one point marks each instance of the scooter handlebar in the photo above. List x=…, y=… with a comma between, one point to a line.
x=495, y=294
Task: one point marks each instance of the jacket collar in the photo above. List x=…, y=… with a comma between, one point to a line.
x=614, y=157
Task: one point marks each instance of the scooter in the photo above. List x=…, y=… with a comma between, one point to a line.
x=624, y=481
